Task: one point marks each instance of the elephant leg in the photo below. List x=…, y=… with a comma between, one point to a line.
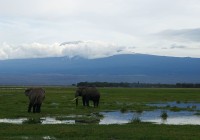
x=38, y=108
x=83, y=99
x=97, y=103
x=94, y=103
x=87, y=102
x=29, y=107
x=34, y=108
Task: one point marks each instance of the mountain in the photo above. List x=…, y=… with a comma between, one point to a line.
x=118, y=68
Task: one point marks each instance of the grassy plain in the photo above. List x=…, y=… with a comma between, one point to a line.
x=13, y=104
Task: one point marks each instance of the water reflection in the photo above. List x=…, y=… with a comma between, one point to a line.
x=173, y=118
x=32, y=121
x=13, y=121
x=48, y=138
x=185, y=105
x=51, y=120
x=47, y=120
x=116, y=117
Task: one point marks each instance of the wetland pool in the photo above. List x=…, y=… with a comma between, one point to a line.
x=178, y=104
x=155, y=116
x=162, y=115
x=117, y=117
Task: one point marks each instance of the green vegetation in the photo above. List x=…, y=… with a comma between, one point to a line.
x=135, y=120
x=13, y=104
x=135, y=131
x=164, y=115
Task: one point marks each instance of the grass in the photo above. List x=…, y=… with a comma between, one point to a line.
x=135, y=131
x=13, y=104
x=164, y=115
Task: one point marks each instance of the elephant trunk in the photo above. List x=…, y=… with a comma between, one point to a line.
x=76, y=98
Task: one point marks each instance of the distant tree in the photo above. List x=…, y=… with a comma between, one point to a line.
x=138, y=85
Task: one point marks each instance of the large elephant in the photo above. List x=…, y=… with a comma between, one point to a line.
x=88, y=93
x=36, y=97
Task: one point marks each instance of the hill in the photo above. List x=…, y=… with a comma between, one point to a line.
x=118, y=68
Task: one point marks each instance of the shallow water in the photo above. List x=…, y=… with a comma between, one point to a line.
x=50, y=120
x=116, y=117
x=185, y=105
x=174, y=118
x=48, y=138
x=13, y=121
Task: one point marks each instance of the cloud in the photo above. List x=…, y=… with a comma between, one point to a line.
x=174, y=46
x=177, y=43
x=181, y=35
x=93, y=19
x=86, y=49
x=123, y=22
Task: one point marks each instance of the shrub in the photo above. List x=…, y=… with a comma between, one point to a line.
x=164, y=115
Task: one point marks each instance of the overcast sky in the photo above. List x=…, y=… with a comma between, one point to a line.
x=99, y=28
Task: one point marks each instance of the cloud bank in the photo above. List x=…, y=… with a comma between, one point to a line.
x=154, y=44
x=86, y=49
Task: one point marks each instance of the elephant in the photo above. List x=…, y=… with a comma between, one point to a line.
x=36, y=97
x=87, y=93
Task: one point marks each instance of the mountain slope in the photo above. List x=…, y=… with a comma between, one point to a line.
x=129, y=68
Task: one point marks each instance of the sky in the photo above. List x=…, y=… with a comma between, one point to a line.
x=99, y=28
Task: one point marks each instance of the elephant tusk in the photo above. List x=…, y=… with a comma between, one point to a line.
x=74, y=99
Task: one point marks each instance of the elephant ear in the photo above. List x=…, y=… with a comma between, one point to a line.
x=27, y=91
x=80, y=91
x=84, y=91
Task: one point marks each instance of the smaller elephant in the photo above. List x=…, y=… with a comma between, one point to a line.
x=36, y=97
x=87, y=93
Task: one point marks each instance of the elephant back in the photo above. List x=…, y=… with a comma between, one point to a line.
x=36, y=95
x=93, y=92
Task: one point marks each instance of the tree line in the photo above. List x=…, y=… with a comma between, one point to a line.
x=138, y=85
